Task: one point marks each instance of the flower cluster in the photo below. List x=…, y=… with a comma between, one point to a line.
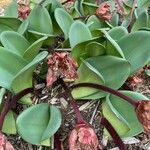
x=4, y=144
x=143, y=114
x=104, y=12
x=23, y=11
x=83, y=137
x=61, y=65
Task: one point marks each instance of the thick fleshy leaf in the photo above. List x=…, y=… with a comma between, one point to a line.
x=25, y=74
x=10, y=65
x=13, y=23
x=126, y=112
x=23, y=27
x=141, y=21
x=64, y=20
x=120, y=126
x=11, y=10
x=117, y=33
x=33, y=50
x=38, y=123
x=9, y=125
x=136, y=53
x=94, y=49
x=112, y=48
x=14, y=42
x=95, y=24
x=42, y=23
x=107, y=69
x=4, y=27
x=79, y=51
x=79, y=33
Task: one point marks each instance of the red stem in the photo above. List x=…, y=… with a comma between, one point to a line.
x=116, y=138
x=10, y=103
x=107, y=89
x=73, y=103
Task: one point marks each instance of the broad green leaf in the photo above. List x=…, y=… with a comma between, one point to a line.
x=9, y=125
x=89, y=8
x=25, y=74
x=95, y=23
x=64, y=20
x=11, y=10
x=115, y=20
x=112, y=48
x=136, y=53
x=79, y=33
x=141, y=21
x=40, y=21
x=120, y=127
x=87, y=73
x=14, y=42
x=79, y=51
x=38, y=122
x=94, y=49
x=126, y=112
x=13, y=23
x=10, y=65
x=33, y=50
x=117, y=33
x=23, y=27
x=4, y=27
x=107, y=69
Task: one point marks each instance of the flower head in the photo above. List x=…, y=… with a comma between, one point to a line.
x=23, y=11
x=143, y=114
x=104, y=12
x=83, y=137
x=61, y=65
x=4, y=144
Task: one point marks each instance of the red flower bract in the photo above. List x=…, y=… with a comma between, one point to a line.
x=83, y=137
x=61, y=65
x=143, y=114
x=23, y=11
x=104, y=12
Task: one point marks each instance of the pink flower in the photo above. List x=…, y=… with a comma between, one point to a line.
x=104, y=12
x=4, y=144
x=23, y=11
x=83, y=137
x=143, y=114
x=61, y=65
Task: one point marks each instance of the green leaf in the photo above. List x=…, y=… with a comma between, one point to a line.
x=4, y=27
x=117, y=33
x=120, y=127
x=112, y=48
x=141, y=21
x=23, y=27
x=40, y=21
x=107, y=70
x=9, y=126
x=12, y=10
x=33, y=50
x=79, y=33
x=38, y=122
x=10, y=65
x=14, y=42
x=25, y=74
x=64, y=20
x=126, y=112
x=136, y=53
x=94, y=49
x=12, y=23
